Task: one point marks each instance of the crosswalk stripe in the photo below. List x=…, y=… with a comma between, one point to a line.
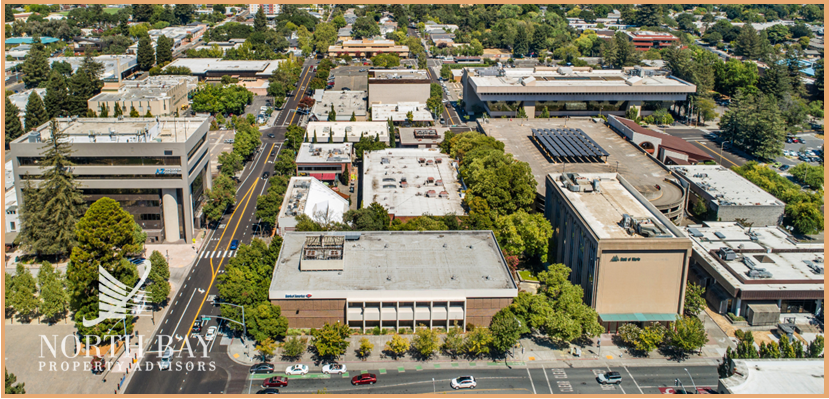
x=218, y=254
x=231, y=254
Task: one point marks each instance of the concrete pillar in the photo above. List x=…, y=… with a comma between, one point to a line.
x=780, y=304
x=819, y=303
x=380, y=305
x=364, y=317
x=447, y=314
x=736, y=309
x=431, y=313
x=529, y=108
x=397, y=322
x=171, y=226
x=464, y=315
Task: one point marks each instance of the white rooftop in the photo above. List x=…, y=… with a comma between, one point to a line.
x=570, y=77
x=21, y=99
x=126, y=130
x=352, y=130
x=398, y=74
x=768, y=247
x=399, y=112
x=200, y=66
x=604, y=210
x=775, y=377
x=735, y=189
x=430, y=188
x=111, y=63
x=321, y=153
x=309, y=196
x=345, y=103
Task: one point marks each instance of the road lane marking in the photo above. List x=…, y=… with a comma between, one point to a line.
x=719, y=155
x=182, y=313
x=531, y=381
x=548, y=380
x=634, y=380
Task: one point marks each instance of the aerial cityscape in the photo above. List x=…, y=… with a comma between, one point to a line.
x=387, y=199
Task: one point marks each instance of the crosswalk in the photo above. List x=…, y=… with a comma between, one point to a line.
x=218, y=254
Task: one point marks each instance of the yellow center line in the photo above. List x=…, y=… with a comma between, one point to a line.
x=216, y=270
x=299, y=89
x=719, y=155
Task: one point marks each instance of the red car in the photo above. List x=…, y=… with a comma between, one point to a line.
x=363, y=379
x=276, y=382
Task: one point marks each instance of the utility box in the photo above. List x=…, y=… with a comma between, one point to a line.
x=762, y=314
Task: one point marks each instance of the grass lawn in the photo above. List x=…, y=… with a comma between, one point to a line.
x=527, y=275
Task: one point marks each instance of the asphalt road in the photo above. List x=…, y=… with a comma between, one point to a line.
x=501, y=381
x=219, y=374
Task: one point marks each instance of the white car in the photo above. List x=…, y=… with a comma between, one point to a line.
x=334, y=368
x=464, y=382
x=211, y=333
x=297, y=369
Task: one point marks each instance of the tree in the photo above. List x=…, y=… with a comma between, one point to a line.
x=392, y=134
x=222, y=196
x=364, y=350
x=353, y=119
x=260, y=22
x=506, y=184
x=159, y=265
x=231, y=162
x=687, y=335
x=453, y=342
x=364, y=27
x=118, y=110
x=734, y=75
x=134, y=113
x=649, y=15
x=146, y=57
x=524, y=233
x=265, y=320
x=266, y=347
x=52, y=292
x=786, y=348
x=104, y=236
x=331, y=340
x=12, y=387
x=446, y=72
x=332, y=116
x=748, y=42
x=506, y=329
x=769, y=351
x=50, y=211
x=694, y=299
x=755, y=124
x=477, y=342
x=816, y=347
x=23, y=295
x=183, y=13
x=651, y=337
x=13, y=128
x=339, y=22
x=36, y=66
x=35, y=112
x=810, y=175
x=163, y=50
x=56, y=95
x=425, y=342
x=397, y=345
x=294, y=348
x=372, y=218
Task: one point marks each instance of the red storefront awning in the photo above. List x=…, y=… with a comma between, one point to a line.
x=324, y=176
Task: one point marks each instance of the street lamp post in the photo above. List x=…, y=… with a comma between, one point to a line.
x=692, y=380
x=244, y=326
x=721, y=147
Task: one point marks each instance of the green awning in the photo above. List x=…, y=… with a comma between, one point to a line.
x=636, y=317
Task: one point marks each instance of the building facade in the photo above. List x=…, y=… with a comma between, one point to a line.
x=368, y=48
x=644, y=41
x=324, y=161
x=156, y=168
x=391, y=279
x=308, y=196
x=396, y=86
x=159, y=95
x=631, y=261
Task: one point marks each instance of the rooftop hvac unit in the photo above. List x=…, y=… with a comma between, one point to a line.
x=727, y=254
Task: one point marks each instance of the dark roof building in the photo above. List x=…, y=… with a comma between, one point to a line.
x=668, y=149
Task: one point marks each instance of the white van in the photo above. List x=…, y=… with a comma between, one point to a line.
x=165, y=362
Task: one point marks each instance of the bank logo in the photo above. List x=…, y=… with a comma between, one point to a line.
x=114, y=302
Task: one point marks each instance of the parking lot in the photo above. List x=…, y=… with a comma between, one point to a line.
x=810, y=143
x=351, y=77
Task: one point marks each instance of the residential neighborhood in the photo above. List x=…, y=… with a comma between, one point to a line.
x=413, y=199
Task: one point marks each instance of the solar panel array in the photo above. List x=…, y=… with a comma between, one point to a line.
x=572, y=144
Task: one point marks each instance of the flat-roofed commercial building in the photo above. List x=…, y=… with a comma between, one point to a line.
x=422, y=137
x=308, y=196
x=116, y=67
x=393, y=86
x=757, y=377
x=399, y=112
x=160, y=95
x=630, y=260
x=215, y=68
x=345, y=104
x=729, y=196
x=324, y=161
x=368, y=48
x=156, y=168
x=411, y=182
x=391, y=279
x=756, y=272
x=573, y=91
x=645, y=40
x=651, y=178
x=347, y=131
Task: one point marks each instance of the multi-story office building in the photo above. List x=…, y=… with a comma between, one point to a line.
x=398, y=86
x=368, y=48
x=268, y=9
x=631, y=261
x=391, y=279
x=156, y=168
x=644, y=40
x=160, y=95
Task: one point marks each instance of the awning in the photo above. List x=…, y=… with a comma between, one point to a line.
x=324, y=176
x=637, y=317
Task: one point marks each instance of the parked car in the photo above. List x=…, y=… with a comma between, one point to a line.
x=463, y=382
x=785, y=168
x=261, y=368
x=275, y=382
x=776, y=164
x=211, y=333
x=611, y=377
x=334, y=368
x=266, y=174
x=271, y=135
x=268, y=391
x=230, y=141
x=197, y=326
x=234, y=244
x=364, y=379
x=297, y=369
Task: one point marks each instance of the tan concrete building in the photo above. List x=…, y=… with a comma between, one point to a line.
x=368, y=48
x=630, y=260
x=391, y=279
x=394, y=86
x=160, y=95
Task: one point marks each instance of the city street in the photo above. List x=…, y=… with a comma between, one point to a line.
x=516, y=380
x=702, y=140
x=190, y=303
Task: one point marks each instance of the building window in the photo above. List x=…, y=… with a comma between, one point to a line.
x=12, y=226
x=150, y=216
